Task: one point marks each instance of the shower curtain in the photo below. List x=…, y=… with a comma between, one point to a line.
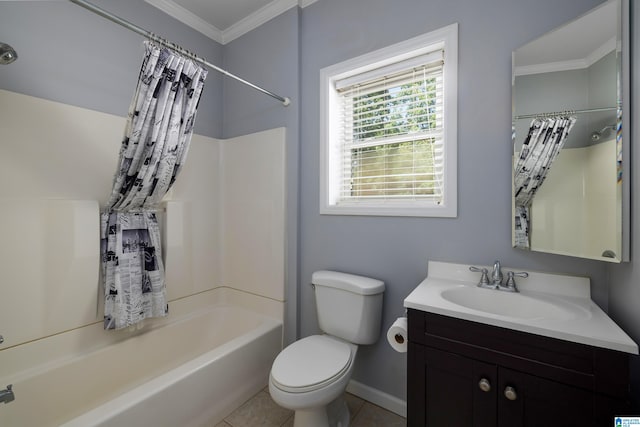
x=541, y=147
x=155, y=145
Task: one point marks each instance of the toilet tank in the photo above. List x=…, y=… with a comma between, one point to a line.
x=349, y=306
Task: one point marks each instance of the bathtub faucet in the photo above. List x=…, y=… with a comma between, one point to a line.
x=7, y=395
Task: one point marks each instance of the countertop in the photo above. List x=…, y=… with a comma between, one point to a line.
x=591, y=325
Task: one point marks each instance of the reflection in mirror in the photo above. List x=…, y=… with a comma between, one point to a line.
x=568, y=134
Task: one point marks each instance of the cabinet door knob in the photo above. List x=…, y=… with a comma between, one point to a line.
x=510, y=393
x=484, y=385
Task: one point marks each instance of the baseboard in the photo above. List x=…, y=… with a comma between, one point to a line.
x=377, y=397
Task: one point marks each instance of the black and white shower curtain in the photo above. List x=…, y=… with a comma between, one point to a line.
x=542, y=145
x=155, y=145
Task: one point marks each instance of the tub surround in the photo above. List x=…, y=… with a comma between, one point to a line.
x=204, y=245
x=51, y=262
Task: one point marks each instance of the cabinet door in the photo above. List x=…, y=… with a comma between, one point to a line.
x=454, y=394
x=529, y=401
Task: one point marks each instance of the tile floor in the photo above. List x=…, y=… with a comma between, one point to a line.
x=262, y=411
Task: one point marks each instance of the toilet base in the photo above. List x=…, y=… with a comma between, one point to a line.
x=335, y=414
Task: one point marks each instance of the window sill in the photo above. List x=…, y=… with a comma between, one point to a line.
x=415, y=209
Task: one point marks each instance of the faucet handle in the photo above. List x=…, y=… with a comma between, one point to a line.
x=523, y=274
x=484, y=279
x=511, y=282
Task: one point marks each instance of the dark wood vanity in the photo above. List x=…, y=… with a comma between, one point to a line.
x=463, y=373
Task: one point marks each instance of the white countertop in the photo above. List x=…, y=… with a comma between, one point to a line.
x=586, y=323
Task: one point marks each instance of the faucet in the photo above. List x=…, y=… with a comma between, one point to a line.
x=7, y=395
x=496, y=278
x=496, y=275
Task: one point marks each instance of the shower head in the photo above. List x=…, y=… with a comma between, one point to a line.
x=7, y=54
x=595, y=136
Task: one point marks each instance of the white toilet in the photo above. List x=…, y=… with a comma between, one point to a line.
x=311, y=375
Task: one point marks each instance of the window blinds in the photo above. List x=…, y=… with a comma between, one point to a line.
x=392, y=139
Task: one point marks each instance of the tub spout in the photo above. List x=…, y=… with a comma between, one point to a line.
x=7, y=395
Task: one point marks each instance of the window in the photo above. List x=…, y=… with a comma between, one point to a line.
x=388, y=130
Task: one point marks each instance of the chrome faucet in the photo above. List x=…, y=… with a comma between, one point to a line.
x=496, y=275
x=7, y=395
x=496, y=278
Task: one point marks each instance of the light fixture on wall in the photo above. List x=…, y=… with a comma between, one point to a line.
x=7, y=54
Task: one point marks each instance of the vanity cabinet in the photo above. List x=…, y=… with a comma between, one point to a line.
x=463, y=373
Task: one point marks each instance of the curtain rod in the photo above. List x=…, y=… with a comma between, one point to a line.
x=111, y=17
x=566, y=112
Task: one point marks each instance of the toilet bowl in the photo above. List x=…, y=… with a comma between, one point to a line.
x=310, y=376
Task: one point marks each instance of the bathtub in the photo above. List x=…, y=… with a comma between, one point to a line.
x=189, y=369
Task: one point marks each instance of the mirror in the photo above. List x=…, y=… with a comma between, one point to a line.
x=570, y=190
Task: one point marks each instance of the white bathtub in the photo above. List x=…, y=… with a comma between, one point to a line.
x=186, y=370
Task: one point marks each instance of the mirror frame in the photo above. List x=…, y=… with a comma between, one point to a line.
x=625, y=94
x=623, y=85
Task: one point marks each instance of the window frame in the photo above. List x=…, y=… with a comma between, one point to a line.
x=445, y=38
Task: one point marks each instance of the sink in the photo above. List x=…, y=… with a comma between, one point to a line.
x=514, y=305
x=551, y=305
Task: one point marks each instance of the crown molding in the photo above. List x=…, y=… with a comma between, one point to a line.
x=551, y=67
x=257, y=18
x=602, y=51
x=576, y=64
x=251, y=22
x=183, y=15
x=305, y=3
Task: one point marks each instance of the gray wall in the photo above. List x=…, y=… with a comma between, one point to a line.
x=624, y=288
x=396, y=250
x=70, y=55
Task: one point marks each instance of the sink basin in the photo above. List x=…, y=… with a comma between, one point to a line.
x=510, y=304
x=551, y=305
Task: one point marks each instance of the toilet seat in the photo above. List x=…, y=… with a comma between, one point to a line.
x=310, y=364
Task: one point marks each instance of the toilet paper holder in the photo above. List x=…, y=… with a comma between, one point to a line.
x=398, y=338
x=398, y=335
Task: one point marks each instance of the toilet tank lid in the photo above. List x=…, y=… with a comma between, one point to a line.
x=348, y=282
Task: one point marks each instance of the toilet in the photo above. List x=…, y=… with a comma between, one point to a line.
x=310, y=376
